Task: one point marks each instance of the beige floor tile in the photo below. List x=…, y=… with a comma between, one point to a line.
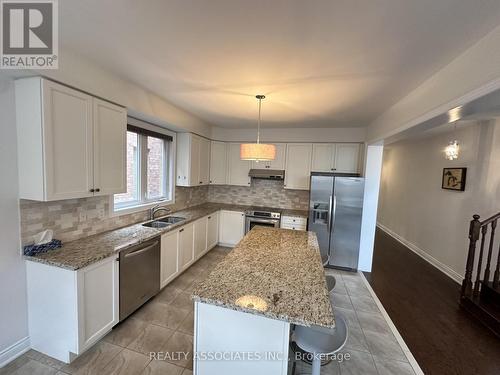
x=183, y=301
x=183, y=281
x=187, y=325
x=392, y=367
x=14, y=365
x=356, y=340
x=168, y=294
x=373, y=322
x=364, y=303
x=93, y=360
x=151, y=339
x=359, y=363
x=180, y=343
x=163, y=315
x=187, y=372
x=127, y=362
x=45, y=359
x=162, y=368
x=341, y=300
x=126, y=332
x=32, y=367
x=384, y=346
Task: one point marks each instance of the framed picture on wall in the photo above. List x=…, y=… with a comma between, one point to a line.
x=454, y=178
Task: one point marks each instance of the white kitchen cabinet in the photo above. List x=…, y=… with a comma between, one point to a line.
x=212, y=230
x=110, y=148
x=193, y=160
x=218, y=163
x=277, y=164
x=298, y=166
x=69, y=311
x=231, y=227
x=186, y=246
x=293, y=223
x=323, y=157
x=347, y=157
x=169, y=257
x=237, y=169
x=68, y=142
x=200, y=236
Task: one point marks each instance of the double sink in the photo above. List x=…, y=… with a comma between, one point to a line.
x=164, y=222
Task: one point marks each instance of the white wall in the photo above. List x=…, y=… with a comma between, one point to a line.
x=290, y=134
x=471, y=75
x=13, y=309
x=413, y=205
x=78, y=71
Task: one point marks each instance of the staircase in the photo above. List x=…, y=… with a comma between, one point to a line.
x=480, y=294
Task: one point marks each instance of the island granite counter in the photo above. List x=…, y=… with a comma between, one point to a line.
x=271, y=279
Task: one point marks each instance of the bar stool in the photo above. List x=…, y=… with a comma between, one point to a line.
x=322, y=341
x=330, y=282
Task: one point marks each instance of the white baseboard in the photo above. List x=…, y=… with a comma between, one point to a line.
x=15, y=350
x=455, y=276
x=225, y=244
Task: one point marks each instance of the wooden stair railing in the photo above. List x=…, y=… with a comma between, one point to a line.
x=478, y=230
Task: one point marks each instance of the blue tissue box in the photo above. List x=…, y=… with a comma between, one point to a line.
x=31, y=250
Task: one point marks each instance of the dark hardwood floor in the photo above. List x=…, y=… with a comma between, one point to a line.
x=423, y=304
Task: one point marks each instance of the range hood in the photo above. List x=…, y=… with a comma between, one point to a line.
x=267, y=174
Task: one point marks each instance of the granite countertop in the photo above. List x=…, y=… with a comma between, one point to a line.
x=80, y=253
x=295, y=213
x=276, y=273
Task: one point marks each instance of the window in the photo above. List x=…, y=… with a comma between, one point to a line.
x=149, y=177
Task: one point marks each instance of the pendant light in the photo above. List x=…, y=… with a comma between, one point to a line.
x=452, y=150
x=258, y=151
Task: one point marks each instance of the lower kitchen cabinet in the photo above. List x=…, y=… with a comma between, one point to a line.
x=200, y=237
x=231, y=227
x=186, y=246
x=212, y=230
x=169, y=253
x=69, y=311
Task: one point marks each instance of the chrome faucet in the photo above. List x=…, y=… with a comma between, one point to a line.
x=154, y=210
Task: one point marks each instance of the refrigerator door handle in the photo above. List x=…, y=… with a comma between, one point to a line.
x=329, y=214
x=334, y=210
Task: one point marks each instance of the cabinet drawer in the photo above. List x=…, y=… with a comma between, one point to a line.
x=293, y=226
x=294, y=220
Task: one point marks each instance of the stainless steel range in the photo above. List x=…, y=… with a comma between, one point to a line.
x=263, y=217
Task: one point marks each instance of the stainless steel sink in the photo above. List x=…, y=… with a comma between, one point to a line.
x=171, y=220
x=164, y=222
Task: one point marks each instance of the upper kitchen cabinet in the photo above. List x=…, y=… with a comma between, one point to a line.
x=298, y=166
x=279, y=161
x=347, y=157
x=218, y=163
x=323, y=157
x=238, y=169
x=70, y=144
x=193, y=160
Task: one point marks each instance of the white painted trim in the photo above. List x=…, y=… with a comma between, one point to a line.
x=15, y=350
x=452, y=274
x=409, y=356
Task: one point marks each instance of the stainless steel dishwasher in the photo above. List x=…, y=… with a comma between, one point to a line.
x=139, y=275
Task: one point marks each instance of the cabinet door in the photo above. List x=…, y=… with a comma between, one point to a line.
x=67, y=133
x=110, y=137
x=298, y=166
x=200, y=237
x=323, y=157
x=97, y=290
x=186, y=249
x=237, y=169
x=204, y=161
x=218, y=163
x=169, y=254
x=231, y=227
x=212, y=230
x=347, y=157
x=278, y=162
x=194, y=161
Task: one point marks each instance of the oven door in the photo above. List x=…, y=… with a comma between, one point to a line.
x=251, y=221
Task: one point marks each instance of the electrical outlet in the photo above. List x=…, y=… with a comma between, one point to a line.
x=82, y=216
x=101, y=213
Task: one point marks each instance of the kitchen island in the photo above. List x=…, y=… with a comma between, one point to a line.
x=243, y=310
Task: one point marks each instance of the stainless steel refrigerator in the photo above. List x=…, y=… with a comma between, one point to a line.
x=335, y=209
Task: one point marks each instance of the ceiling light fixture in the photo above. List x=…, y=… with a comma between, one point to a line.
x=258, y=151
x=452, y=150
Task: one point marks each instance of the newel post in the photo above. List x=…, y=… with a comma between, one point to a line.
x=474, y=229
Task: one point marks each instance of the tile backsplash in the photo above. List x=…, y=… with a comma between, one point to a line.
x=77, y=218
x=261, y=193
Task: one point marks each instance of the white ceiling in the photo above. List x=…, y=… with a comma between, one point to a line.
x=336, y=63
